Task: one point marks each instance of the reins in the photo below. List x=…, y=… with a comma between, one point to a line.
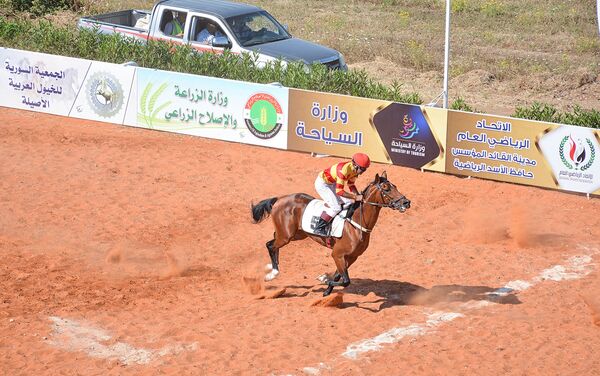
x=379, y=204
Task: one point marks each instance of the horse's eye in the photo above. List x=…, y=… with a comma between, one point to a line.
x=386, y=187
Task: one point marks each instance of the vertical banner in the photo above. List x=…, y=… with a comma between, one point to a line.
x=388, y=132
x=408, y=135
x=213, y=108
x=40, y=82
x=105, y=93
x=522, y=151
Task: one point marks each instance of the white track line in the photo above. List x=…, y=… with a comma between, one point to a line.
x=576, y=267
x=72, y=335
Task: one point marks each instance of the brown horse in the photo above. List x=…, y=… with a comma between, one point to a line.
x=286, y=212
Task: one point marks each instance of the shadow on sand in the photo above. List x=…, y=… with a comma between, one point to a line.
x=388, y=293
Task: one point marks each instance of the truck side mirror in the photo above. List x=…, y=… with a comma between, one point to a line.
x=222, y=42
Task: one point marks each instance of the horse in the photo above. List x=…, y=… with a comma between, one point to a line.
x=286, y=213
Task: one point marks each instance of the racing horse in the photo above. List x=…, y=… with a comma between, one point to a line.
x=286, y=213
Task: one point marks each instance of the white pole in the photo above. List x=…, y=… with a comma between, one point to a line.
x=447, y=53
x=598, y=10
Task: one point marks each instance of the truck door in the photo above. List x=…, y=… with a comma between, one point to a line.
x=203, y=31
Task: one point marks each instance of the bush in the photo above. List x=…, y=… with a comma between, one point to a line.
x=548, y=113
x=41, y=7
x=460, y=105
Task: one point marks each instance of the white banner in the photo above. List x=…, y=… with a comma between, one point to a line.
x=210, y=107
x=40, y=82
x=572, y=153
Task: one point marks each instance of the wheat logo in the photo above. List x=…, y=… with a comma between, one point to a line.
x=263, y=116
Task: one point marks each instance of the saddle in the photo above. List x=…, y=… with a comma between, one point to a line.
x=313, y=211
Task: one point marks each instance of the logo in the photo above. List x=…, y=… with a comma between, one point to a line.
x=104, y=94
x=263, y=116
x=580, y=156
x=409, y=128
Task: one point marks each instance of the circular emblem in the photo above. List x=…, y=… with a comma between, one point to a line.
x=579, y=156
x=104, y=94
x=263, y=116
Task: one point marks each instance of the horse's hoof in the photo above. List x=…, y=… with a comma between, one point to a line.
x=272, y=275
x=268, y=267
x=326, y=293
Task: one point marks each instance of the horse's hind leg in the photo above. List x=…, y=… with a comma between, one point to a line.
x=273, y=248
x=273, y=267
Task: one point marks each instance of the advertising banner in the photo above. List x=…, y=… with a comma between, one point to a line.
x=40, y=82
x=213, y=108
x=388, y=132
x=523, y=151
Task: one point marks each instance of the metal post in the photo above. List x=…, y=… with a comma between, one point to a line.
x=598, y=10
x=447, y=53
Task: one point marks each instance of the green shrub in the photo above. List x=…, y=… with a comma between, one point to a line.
x=41, y=7
x=548, y=113
x=460, y=105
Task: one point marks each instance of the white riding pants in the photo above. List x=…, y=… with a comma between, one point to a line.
x=327, y=193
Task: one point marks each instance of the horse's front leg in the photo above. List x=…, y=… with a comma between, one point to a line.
x=336, y=282
x=342, y=270
x=324, y=278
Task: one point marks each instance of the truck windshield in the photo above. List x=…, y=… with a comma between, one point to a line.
x=256, y=28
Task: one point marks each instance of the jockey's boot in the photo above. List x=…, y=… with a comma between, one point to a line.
x=323, y=226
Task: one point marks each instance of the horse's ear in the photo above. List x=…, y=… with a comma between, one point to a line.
x=384, y=175
x=376, y=178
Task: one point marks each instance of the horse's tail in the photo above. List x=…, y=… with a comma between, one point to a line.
x=262, y=210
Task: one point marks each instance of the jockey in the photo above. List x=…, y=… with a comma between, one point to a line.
x=330, y=185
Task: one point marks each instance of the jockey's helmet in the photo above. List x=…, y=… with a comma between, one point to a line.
x=361, y=160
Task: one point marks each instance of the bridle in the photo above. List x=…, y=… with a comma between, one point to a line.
x=391, y=203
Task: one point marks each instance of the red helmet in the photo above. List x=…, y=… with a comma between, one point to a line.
x=361, y=160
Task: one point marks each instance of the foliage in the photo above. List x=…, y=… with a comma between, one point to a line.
x=548, y=113
x=460, y=105
x=41, y=7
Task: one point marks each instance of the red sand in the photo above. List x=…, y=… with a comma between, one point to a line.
x=135, y=239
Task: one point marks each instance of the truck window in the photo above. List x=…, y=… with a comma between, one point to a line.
x=256, y=28
x=205, y=30
x=172, y=23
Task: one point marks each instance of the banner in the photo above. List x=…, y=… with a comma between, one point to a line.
x=213, y=108
x=40, y=82
x=388, y=132
x=522, y=151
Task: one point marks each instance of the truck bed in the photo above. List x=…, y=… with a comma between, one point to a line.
x=132, y=18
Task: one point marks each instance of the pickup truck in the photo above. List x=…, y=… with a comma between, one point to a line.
x=213, y=26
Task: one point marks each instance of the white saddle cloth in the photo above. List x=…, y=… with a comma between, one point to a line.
x=311, y=216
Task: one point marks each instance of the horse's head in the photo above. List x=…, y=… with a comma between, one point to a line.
x=382, y=192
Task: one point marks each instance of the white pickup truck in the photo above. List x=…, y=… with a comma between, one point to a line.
x=214, y=26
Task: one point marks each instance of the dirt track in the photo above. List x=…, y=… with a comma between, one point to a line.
x=128, y=251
